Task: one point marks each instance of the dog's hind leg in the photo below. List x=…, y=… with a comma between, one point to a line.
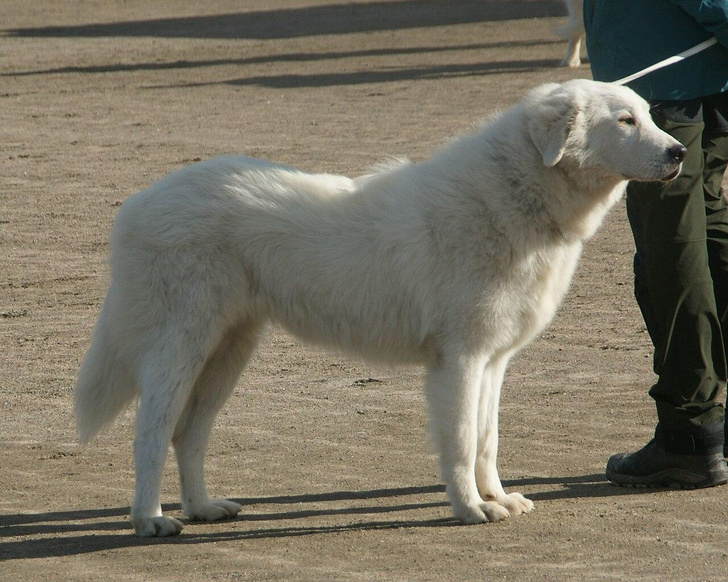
x=168, y=372
x=452, y=389
x=486, y=469
x=573, y=31
x=213, y=387
x=572, y=58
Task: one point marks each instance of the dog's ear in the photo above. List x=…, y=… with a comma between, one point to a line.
x=551, y=112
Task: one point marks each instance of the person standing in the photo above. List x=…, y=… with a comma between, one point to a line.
x=680, y=230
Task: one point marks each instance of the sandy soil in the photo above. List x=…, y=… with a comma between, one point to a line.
x=328, y=455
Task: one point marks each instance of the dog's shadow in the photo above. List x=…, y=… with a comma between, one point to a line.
x=66, y=533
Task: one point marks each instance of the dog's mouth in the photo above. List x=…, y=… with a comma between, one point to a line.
x=664, y=179
x=672, y=175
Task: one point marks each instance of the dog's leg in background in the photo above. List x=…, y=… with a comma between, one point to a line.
x=573, y=31
x=486, y=469
x=572, y=58
x=452, y=388
x=213, y=387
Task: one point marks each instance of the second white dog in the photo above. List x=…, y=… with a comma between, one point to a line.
x=455, y=262
x=573, y=32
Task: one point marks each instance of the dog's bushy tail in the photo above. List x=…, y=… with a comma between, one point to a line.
x=104, y=387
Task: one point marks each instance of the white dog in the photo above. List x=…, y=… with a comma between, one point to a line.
x=455, y=263
x=573, y=32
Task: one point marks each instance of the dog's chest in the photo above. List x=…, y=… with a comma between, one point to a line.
x=539, y=286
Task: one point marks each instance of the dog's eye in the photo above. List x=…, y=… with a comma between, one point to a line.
x=628, y=120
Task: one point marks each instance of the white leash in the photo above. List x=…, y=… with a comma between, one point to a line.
x=667, y=62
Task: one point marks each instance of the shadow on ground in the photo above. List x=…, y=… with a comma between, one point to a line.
x=311, y=21
x=95, y=520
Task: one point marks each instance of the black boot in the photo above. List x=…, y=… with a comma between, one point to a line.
x=653, y=466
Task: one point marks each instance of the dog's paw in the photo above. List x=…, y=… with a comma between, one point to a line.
x=150, y=527
x=480, y=513
x=214, y=510
x=495, y=511
x=572, y=62
x=516, y=504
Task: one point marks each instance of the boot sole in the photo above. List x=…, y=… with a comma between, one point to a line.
x=669, y=479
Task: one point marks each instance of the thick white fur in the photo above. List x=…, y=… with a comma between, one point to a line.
x=454, y=263
x=573, y=32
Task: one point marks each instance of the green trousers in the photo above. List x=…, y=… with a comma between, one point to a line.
x=680, y=230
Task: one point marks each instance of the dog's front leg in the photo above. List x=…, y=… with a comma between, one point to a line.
x=486, y=470
x=452, y=389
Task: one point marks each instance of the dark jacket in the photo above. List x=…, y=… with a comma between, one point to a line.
x=625, y=36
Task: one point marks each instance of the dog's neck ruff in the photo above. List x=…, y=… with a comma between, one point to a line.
x=590, y=198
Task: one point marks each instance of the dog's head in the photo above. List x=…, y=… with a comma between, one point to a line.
x=602, y=127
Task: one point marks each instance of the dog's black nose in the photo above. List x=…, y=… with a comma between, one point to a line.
x=677, y=153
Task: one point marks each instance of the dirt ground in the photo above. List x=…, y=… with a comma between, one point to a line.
x=328, y=455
